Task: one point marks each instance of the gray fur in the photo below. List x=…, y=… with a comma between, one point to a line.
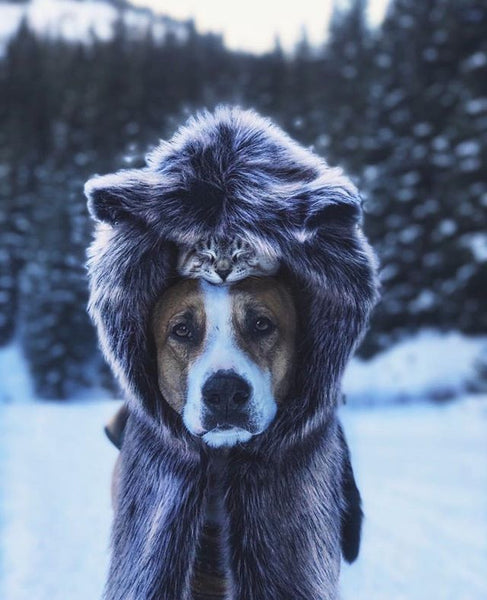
x=234, y=173
x=220, y=260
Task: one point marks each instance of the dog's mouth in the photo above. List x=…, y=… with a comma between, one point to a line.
x=219, y=428
x=225, y=427
x=226, y=435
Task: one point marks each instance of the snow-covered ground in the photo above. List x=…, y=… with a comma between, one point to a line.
x=422, y=471
x=421, y=468
x=54, y=500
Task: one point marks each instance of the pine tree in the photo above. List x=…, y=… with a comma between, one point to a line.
x=24, y=137
x=57, y=337
x=420, y=213
x=348, y=73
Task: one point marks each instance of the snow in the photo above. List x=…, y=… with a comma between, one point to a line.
x=447, y=227
x=462, y=274
x=429, y=364
x=66, y=20
x=405, y=194
x=15, y=382
x=422, y=129
x=11, y=17
x=477, y=242
x=423, y=477
x=76, y=21
x=420, y=151
x=383, y=60
x=55, y=510
x=442, y=160
x=440, y=142
x=476, y=106
x=470, y=164
x=421, y=470
x=468, y=148
x=425, y=300
x=410, y=233
x=430, y=54
x=411, y=178
x=475, y=61
x=388, y=272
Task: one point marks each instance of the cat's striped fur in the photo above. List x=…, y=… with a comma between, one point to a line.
x=225, y=260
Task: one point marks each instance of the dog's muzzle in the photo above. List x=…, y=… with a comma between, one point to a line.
x=226, y=397
x=229, y=395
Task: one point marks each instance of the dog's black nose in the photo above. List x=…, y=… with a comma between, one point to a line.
x=223, y=273
x=226, y=392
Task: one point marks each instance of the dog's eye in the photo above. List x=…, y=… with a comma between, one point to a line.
x=263, y=325
x=182, y=331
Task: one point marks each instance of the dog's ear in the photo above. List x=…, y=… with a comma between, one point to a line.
x=121, y=196
x=351, y=513
x=115, y=428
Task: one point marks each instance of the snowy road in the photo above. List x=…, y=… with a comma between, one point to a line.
x=422, y=471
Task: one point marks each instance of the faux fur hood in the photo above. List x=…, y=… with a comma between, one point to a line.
x=231, y=172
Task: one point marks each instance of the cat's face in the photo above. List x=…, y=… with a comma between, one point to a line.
x=220, y=260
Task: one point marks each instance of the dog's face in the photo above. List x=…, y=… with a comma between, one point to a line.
x=225, y=355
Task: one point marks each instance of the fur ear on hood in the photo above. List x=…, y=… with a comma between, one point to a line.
x=121, y=196
x=231, y=172
x=230, y=158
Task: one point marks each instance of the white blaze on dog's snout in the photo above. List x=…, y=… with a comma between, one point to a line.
x=221, y=352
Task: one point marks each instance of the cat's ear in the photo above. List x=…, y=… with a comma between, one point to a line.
x=121, y=196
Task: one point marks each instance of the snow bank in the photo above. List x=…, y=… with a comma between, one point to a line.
x=429, y=365
x=15, y=381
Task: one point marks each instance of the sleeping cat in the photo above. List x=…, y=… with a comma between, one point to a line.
x=225, y=260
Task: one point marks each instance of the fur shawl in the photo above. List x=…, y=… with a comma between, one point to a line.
x=230, y=172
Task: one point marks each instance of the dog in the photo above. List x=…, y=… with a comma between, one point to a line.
x=225, y=360
x=232, y=448
x=225, y=357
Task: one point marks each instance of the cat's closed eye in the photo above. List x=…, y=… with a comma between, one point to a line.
x=224, y=261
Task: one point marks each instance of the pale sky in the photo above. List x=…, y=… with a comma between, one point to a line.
x=253, y=24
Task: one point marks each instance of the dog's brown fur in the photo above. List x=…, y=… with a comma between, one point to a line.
x=173, y=358
x=268, y=295
x=264, y=296
x=271, y=298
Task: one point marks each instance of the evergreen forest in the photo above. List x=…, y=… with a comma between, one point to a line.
x=401, y=107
